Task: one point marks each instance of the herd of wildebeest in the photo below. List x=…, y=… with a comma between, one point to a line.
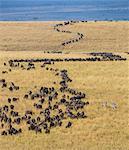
x=51, y=106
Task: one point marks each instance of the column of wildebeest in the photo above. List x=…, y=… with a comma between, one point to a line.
x=78, y=35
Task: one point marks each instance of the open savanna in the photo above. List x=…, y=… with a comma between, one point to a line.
x=105, y=128
x=40, y=36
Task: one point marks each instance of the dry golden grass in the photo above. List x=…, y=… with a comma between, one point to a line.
x=104, y=129
x=40, y=36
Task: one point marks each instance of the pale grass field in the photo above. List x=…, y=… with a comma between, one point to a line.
x=40, y=36
x=104, y=129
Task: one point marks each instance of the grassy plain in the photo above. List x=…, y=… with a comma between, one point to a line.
x=40, y=36
x=105, y=128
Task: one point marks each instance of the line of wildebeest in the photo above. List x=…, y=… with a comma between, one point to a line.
x=51, y=107
x=96, y=56
x=78, y=37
